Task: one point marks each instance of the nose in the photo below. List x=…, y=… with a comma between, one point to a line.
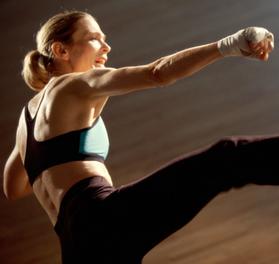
x=106, y=47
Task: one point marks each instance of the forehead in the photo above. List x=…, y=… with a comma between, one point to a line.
x=86, y=26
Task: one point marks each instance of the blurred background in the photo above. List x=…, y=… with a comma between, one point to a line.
x=234, y=96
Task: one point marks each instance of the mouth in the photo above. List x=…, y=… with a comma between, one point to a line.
x=101, y=60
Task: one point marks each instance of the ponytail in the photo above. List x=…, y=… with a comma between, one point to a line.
x=35, y=70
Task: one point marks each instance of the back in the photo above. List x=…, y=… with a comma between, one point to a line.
x=90, y=143
x=59, y=112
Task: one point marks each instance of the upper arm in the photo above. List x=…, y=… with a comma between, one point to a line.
x=15, y=179
x=110, y=81
x=15, y=183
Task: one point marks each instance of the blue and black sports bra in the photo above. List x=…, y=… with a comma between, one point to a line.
x=89, y=143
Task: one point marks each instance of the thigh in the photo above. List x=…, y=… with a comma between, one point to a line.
x=136, y=217
x=142, y=214
x=145, y=212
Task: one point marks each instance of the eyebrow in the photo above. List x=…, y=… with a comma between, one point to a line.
x=98, y=33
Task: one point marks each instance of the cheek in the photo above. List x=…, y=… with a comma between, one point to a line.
x=91, y=53
x=84, y=56
x=95, y=45
x=87, y=50
x=77, y=53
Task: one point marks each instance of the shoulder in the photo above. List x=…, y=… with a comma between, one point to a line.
x=93, y=76
x=80, y=84
x=78, y=77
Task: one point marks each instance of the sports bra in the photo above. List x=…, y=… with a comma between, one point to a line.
x=90, y=143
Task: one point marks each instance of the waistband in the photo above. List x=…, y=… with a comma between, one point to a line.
x=98, y=186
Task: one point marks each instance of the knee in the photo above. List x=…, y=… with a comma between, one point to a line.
x=230, y=143
x=227, y=155
x=224, y=145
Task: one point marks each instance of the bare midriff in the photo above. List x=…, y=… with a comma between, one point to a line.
x=51, y=186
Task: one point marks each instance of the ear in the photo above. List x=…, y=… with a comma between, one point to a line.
x=60, y=50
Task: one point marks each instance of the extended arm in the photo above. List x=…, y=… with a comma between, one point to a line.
x=164, y=71
x=252, y=42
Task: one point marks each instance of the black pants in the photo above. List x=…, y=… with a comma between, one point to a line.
x=101, y=224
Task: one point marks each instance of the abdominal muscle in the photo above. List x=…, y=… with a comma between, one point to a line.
x=51, y=186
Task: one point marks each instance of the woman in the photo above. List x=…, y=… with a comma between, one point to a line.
x=61, y=144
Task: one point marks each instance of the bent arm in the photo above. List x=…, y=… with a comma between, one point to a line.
x=164, y=71
x=16, y=184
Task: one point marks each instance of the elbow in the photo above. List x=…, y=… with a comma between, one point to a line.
x=13, y=195
x=15, y=179
x=9, y=195
x=6, y=189
x=6, y=193
x=12, y=190
x=159, y=73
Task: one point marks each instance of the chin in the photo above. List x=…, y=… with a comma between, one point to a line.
x=98, y=65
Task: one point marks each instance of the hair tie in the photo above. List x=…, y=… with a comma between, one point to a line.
x=44, y=60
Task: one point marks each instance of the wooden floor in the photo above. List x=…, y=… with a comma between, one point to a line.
x=232, y=97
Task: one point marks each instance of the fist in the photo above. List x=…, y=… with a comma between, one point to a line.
x=254, y=42
x=262, y=45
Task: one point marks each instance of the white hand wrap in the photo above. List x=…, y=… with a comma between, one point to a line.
x=233, y=45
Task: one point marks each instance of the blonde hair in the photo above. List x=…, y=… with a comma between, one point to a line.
x=38, y=64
